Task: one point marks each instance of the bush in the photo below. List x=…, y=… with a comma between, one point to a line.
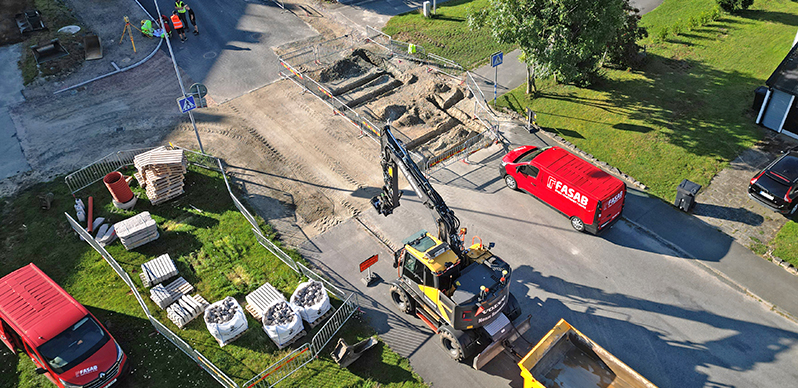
x=624, y=50
x=735, y=5
x=662, y=34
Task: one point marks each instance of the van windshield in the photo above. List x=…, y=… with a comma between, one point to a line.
x=529, y=155
x=73, y=345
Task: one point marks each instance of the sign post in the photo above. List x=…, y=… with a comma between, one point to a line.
x=365, y=265
x=496, y=60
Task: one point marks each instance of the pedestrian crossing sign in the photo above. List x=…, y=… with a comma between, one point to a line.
x=186, y=104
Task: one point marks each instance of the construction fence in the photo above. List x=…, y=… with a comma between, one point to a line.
x=276, y=372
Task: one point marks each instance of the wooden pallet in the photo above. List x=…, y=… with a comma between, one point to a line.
x=159, y=156
x=260, y=300
x=163, y=199
x=163, y=296
x=293, y=339
x=185, y=309
x=157, y=270
x=322, y=318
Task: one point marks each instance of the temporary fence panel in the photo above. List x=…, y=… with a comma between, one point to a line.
x=92, y=173
x=282, y=368
x=376, y=36
x=334, y=323
x=468, y=147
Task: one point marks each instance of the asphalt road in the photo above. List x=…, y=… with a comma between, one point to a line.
x=233, y=54
x=665, y=316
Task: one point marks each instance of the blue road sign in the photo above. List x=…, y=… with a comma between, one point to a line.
x=497, y=59
x=186, y=104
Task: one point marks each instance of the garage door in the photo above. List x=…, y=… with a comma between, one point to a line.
x=777, y=110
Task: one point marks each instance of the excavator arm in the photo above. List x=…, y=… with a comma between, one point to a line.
x=395, y=156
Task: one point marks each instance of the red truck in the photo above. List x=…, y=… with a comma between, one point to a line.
x=591, y=198
x=65, y=341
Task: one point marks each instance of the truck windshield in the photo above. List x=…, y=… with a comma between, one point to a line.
x=73, y=345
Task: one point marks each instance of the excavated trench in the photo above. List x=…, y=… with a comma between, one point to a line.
x=429, y=110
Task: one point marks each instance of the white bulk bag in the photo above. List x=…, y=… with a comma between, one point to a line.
x=233, y=324
x=281, y=331
x=311, y=300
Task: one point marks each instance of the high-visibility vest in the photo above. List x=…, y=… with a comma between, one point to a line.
x=176, y=22
x=180, y=6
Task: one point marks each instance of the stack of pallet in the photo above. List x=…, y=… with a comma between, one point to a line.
x=157, y=270
x=165, y=295
x=185, y=309
x=160, y=173
x=137, y=230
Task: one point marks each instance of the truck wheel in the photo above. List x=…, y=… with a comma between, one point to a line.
x=577, y=223
x=450, y=344
x=402, y=300
x=510, y=182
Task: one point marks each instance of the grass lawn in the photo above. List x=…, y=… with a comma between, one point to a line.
x=687, y=114
x=213, y=249
x=447, y=34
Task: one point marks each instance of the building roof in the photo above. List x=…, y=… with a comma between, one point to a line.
x=785, y=77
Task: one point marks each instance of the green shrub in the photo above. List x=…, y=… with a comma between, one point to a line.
x=735, y=5
x=662, y=34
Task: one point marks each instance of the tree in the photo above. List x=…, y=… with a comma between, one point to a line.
x=565, y=37
x=624, y=50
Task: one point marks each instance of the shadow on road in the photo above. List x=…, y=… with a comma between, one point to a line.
x=664, y=357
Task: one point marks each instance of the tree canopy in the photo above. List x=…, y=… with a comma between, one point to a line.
x=567, y=38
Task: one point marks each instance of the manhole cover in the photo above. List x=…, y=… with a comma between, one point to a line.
x=209, y=55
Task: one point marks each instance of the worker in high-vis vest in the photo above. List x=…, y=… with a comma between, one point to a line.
x=146, y=28
x=180, y=7
x=179, y=26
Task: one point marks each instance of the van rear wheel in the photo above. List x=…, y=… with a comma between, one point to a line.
x=510, y=182
x=577, y=223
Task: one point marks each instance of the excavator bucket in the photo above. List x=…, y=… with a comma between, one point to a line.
x=344, y=354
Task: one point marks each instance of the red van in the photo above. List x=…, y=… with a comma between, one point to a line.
x=589, y=196
x=65, y=341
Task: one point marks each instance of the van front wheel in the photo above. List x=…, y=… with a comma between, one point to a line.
x=577, y=223
x=510, y=182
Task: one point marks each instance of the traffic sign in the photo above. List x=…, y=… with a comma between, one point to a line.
x=186, y=104
x=199, y=90
x=497, y=59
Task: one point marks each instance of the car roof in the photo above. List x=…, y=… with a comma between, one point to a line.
x=578, y=172
x=35, y=306
x=786, y=167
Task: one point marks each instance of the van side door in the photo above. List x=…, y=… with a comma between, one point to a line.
x=528, y=178
x=9, y=337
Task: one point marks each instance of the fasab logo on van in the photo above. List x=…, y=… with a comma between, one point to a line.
x=567, y=192
x=86, y=371
x=614, y=199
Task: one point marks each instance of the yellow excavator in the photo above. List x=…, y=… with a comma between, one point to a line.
x=463, y=294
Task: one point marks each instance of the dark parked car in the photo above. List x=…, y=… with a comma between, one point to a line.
x=777, y=185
